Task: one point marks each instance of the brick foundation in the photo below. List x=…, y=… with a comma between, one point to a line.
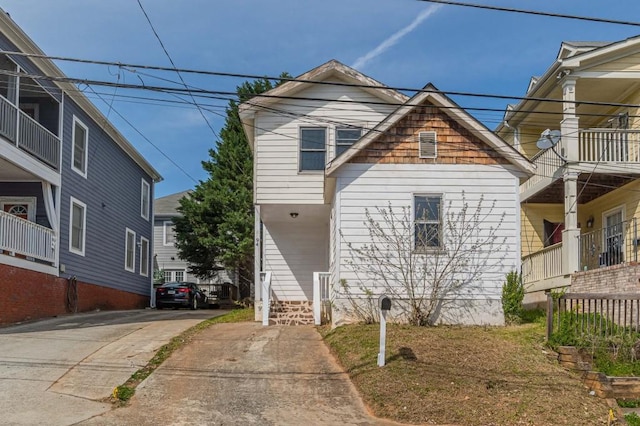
x=28, y=295
x=623, y=278
x=291, y=313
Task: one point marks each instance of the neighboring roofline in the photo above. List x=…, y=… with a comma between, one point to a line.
x=559, y=65
x=454, y=111
x=332, y=68
x=24, y=43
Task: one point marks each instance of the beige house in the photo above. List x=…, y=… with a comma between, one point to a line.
x=579, y=124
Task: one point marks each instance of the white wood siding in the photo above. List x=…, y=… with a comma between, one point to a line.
x=292, y=253
x=361, y=186
x=277, y=140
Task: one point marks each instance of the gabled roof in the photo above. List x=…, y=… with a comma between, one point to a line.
x=168, y=205
x=330, y=70
x=433, y=95
x=572, y=48
x=24, y=43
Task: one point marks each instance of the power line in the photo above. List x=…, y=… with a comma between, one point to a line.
x=534, y=12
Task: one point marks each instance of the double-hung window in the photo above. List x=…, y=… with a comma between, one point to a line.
x=312, y=148
x=427, y=222
x=77, y=226
x=345, y=137
x=129, y=251
x=80, y=136
x=145, y=193
x=144, y=256
x=169, y=233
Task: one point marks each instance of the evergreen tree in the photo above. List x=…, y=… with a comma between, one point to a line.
x=216, y=229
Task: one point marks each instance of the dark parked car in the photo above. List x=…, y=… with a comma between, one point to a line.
x=179, y=294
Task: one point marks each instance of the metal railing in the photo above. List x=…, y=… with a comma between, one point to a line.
x=609, y=246
x=593, y=314
x=321, y=297
x=22, y=237
x=609, y=145
x=29, y=135
x=265, y=280
x=542, y=265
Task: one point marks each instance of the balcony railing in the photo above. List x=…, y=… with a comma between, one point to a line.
x=547, y=163
x=609, y=145
x=609, y=246
x=25, y=238
x=542, y=265
x=29, y=135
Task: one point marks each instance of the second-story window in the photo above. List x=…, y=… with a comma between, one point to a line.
x=144, y=199
x=80, y=148
x=312, y=148
x=345, y=137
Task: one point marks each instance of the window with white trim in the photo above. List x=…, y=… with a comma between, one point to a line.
x=144, y=256
x=169, y=238
x=130, y=251
x=145, y=194
x=77, y=226
x=428, y=144
x=80, y=149
x=312, y=148
x=427, y=221
x=346, y=137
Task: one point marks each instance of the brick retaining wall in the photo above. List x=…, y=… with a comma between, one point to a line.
x=28, y=295
x=624, y=278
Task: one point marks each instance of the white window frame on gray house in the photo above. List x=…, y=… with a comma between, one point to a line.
x=168, y=229
x=77, y=226
x=421, y=243
x=77, y=150
x=309, y=150
x=144, y=256
x=346, y=137
x=130, y=250
x=145, y=194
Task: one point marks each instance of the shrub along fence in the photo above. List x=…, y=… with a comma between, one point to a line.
x=593, y=314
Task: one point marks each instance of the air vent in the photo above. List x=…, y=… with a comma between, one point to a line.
x=428, y=144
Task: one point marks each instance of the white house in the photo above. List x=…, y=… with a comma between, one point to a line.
x=334, y=144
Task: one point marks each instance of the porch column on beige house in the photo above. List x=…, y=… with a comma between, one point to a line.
x=569, y=149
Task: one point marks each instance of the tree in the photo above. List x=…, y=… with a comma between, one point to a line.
x=425, y=269
x=216, y=228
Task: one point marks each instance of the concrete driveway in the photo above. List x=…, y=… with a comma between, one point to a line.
x=58, y=371
x=246, y=374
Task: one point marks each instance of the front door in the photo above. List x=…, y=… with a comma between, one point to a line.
x=613, y=238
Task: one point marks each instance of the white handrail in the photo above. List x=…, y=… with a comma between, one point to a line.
x=321, y=281
x=26, y=238
x=266, y=296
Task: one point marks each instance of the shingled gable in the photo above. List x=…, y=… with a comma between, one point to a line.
x=433, y=96
x=330, y=70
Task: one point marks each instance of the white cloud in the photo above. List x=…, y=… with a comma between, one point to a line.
x=394, y=38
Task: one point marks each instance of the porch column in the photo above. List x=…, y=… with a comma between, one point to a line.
x=257, y=255
x=569, y=128
x=570, y=241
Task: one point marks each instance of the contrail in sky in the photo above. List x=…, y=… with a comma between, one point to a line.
x=393, y=39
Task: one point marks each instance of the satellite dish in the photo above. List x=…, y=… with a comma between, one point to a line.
x=548, y=139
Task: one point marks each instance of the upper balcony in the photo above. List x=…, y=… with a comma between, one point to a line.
x=29, y=115
x=605, y=154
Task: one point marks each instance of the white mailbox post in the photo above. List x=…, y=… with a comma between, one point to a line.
x=384, y=303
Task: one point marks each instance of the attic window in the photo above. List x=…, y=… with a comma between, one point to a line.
x=428, y=144
x=345, y=137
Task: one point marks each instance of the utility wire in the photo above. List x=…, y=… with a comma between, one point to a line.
x=535, y=12
x=176, y=69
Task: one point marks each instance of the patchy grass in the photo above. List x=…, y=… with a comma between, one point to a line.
x=464, y=375
x=122, y=394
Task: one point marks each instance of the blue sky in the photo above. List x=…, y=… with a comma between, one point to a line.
x=402, y=43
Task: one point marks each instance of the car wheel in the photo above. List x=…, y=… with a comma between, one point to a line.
x=194, y=303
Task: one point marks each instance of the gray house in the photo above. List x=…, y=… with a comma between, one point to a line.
x=75, y=196
x=166, y=259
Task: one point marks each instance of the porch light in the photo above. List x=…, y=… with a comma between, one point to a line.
x=293, y=215
x=590, y=222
